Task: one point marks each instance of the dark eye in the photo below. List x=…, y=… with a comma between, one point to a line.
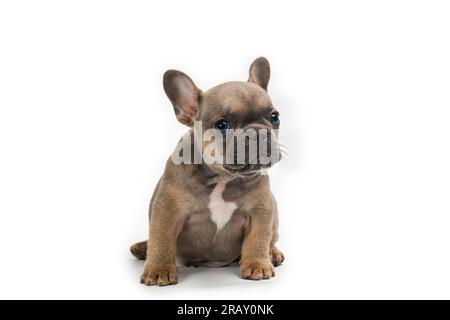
x=274, y=118
x=222, y=125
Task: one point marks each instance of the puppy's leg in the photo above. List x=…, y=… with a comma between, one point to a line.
x=139, y=250
x=276, y=256
x=255, y=261
x=160, y=266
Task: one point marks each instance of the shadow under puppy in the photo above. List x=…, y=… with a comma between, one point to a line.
x=213, y=214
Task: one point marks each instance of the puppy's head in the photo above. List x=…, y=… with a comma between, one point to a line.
x=239, y=125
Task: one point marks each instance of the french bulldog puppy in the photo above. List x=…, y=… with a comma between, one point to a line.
x=212, y=214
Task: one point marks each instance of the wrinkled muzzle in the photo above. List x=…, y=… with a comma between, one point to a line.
x=250, y=149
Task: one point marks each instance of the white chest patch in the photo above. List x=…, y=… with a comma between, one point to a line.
x=221, y=210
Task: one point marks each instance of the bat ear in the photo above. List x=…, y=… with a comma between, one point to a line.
x=183, y=94
x=260, y=72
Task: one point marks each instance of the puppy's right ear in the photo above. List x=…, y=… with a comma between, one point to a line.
x=184, y=95
x=260, y=72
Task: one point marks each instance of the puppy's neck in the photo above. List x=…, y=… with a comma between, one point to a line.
x=206, y=176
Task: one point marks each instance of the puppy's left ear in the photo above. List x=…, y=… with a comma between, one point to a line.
x=183, y=94
x=260, y=72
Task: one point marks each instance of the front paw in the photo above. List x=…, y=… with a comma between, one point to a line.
x=159, y=275
x=257, y=269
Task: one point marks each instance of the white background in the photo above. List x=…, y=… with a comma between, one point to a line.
x=85, y=129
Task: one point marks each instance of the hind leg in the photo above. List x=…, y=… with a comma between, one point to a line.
x=139, y=250
x=276, y=256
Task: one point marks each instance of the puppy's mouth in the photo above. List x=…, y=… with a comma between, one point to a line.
x=245, y=169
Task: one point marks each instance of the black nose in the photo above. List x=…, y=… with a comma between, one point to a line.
x=251, y=147
x=259, y=135
x=260, y=144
